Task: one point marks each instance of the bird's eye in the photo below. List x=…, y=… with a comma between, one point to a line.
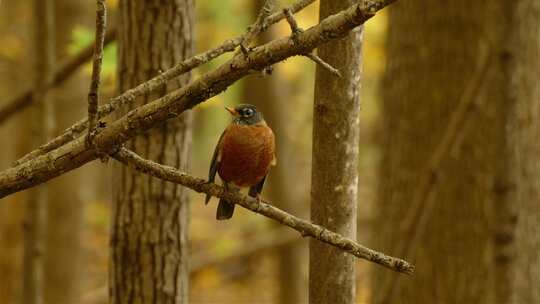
x=247, y=112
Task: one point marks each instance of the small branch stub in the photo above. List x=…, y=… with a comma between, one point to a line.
x=324, y=64
x=292, y=22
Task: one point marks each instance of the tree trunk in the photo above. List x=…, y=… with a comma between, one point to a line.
x=527, y=128
x=150, y=218
x=34, y=223
x=334, y=185
x=434, y=52
x=62, y=260
x=13, y=79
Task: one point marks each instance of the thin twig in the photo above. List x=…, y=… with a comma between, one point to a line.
x=292, y=22
x=305, y=228
x=93, y=94
x=75, y=154
x=295, y=31
x=324, y=64
x=259, y=25
x=423, y=203
x=155, y=83
x=23, y=100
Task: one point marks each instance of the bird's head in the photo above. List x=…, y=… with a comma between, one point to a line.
x=246, y=114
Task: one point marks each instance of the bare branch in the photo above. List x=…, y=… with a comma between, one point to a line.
x=93, y=94
x=155, y=83
x=75, y=154
x=67, y=69
x=304, y=227
x=292, y=22
x=295, y=31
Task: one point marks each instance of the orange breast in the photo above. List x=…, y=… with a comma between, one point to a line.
x=246, y=154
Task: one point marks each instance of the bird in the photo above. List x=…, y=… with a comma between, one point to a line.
x=243, y=156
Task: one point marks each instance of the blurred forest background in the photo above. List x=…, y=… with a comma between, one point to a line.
x=437, y=171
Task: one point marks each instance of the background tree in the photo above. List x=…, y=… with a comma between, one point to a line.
x=446, y=187
x=14, y=76
x=334, y=176
x=150, y=217
x=37, y=130
x=65, y=209
x=526, y=129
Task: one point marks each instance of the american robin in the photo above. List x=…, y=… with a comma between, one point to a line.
x=243, y=156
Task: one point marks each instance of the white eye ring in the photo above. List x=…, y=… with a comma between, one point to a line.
x=247, y=112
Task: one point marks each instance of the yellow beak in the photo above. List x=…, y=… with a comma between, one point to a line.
x=232, y=111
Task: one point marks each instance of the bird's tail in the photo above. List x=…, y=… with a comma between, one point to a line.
x=225, y=210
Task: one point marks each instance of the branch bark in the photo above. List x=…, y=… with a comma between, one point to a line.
x=93, y=95
x=67, y=69
x=75, y=154
x=304, y=227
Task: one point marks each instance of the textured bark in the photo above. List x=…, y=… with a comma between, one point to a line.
x=149, y=240
x=75, y=153
x=271, y=96
x=527, y=97
x=66, y=205
x=34, y=222
x=429, y=67
x=334, y=176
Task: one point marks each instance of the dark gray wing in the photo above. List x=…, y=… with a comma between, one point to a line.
x=214, y=165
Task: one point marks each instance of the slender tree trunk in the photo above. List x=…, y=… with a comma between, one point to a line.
x=270, y=95
x=13, y=79
x=434, y=53
x=62, y=260
x=150, y=218
x=527, y=131
x=334, y=185
x=34, y=225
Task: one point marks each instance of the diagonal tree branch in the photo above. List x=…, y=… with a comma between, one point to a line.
x=157, y=82
x=75, y=154
x=25, y=99
x=93, y=94
x=305, y=228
